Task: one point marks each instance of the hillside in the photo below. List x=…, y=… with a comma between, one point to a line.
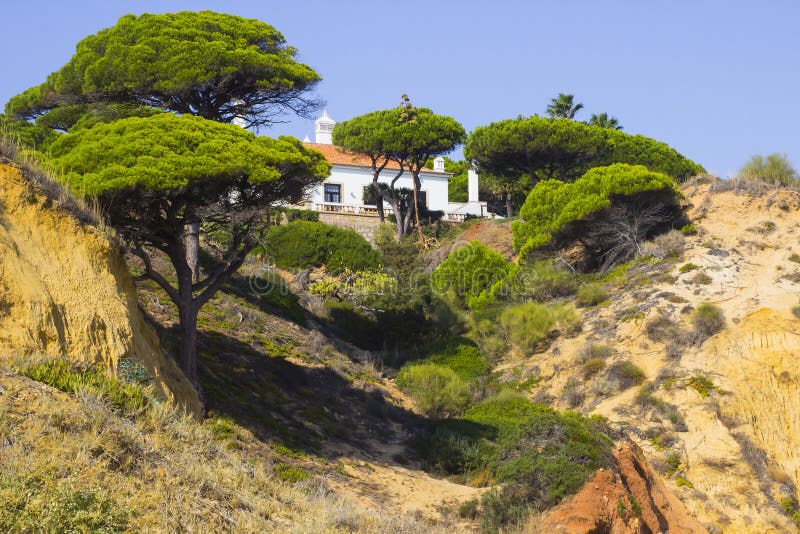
x=308, y=433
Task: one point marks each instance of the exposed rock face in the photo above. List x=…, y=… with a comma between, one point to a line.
x=629, y=499
x=65, y=291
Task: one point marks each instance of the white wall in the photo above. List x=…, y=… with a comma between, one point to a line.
x=353, y=180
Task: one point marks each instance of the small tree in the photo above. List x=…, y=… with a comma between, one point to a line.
x=775, y=169
x=154, y=176
x=564, y=107
x=424, y=135
x=372, y=134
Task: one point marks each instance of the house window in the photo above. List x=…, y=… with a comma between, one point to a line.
x=422, y=199
x=333, y=193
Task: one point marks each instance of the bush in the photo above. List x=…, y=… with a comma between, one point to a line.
x=543, y=280
x=392, y=328
x=593, y=366
x=437, y=390
x=462, y=356
x=592, y=351
x=627, y=373
x=528, y=326
x=305, y=244
x=72, y=377
x=774, y=169
x=469, y=272
x=609, y=211
x=662, y=329
x=708, y=319
x=591, y=295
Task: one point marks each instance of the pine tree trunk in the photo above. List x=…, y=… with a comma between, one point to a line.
x=416, y=205
x=378, y=199
x=192, y=244
x=508, y=204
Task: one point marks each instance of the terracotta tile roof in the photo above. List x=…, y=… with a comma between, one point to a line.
x=337, y=156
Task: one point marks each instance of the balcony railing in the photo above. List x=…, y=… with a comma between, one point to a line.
x=372, y=210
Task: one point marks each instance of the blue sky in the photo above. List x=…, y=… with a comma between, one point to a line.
x=717, y=80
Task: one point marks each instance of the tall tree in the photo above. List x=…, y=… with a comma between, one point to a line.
x=602, y=120
x=538, y=148
x=564, y=107
x=216, y=66
x=424, y=135
x=154, y=176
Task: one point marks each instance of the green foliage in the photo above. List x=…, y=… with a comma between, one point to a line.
x=688, y=229
x=24, y=133
x=563, y=107
x=673, y=461
x=789, y=506
x=702, y=384
x=468, y=509
x=437, y=390
x=166, y=152
x=367, y=287
x=73, y=377
x=593, y=366
x=682, y=482
x=462, y=356
x=552, y=205
x=591, y=295
x=543, y=280
x=289, y=473
x=29, y=504
x=773, y=169
x=628, y=373
x=392, y=328
x=469, y=272
x=527, y=326
x=209, y=64
x=545, y=148
x=305, y=244
x=686, y=267
x=602, y=120
x=708, y=319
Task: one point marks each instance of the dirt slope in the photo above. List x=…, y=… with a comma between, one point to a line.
x=721, y=420
x=65, y=291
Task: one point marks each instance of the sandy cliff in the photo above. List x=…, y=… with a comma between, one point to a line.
x=65, y=291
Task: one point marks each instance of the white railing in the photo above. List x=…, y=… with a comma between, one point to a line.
x=354, y=209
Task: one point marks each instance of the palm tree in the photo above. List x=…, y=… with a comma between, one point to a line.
x=604, y=121
x=562, y=107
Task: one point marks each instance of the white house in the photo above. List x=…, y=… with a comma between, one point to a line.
x=343, y=190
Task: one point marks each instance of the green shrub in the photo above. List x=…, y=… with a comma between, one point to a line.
x=688, y=229
x=528, y=326
x=593, y=366
x=289, y=473
x=29, y=504
x=662, y=329
x=468, y=509
x=591, y=295
x=795, y=257
x=74, y=377
x=469, y=272
x=708, y=320
x=437, y=390
x=543, y=280
x=702, y=384
x=554, y=210
x=592, y=351
x=701, y=278
x=686, y=267
x=304, y=244
x=627, y=373
x=773, y=169
x=462, y=356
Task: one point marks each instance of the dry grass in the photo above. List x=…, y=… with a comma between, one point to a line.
x=73, y=460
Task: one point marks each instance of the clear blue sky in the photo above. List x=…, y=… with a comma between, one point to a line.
x=717, y=80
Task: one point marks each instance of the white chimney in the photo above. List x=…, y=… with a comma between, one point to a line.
x=323, y=129
x=438, y=164
x=472, y=185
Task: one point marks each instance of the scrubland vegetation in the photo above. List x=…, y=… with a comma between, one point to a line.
x=300, y=331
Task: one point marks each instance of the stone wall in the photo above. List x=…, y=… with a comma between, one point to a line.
x=363, y=224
